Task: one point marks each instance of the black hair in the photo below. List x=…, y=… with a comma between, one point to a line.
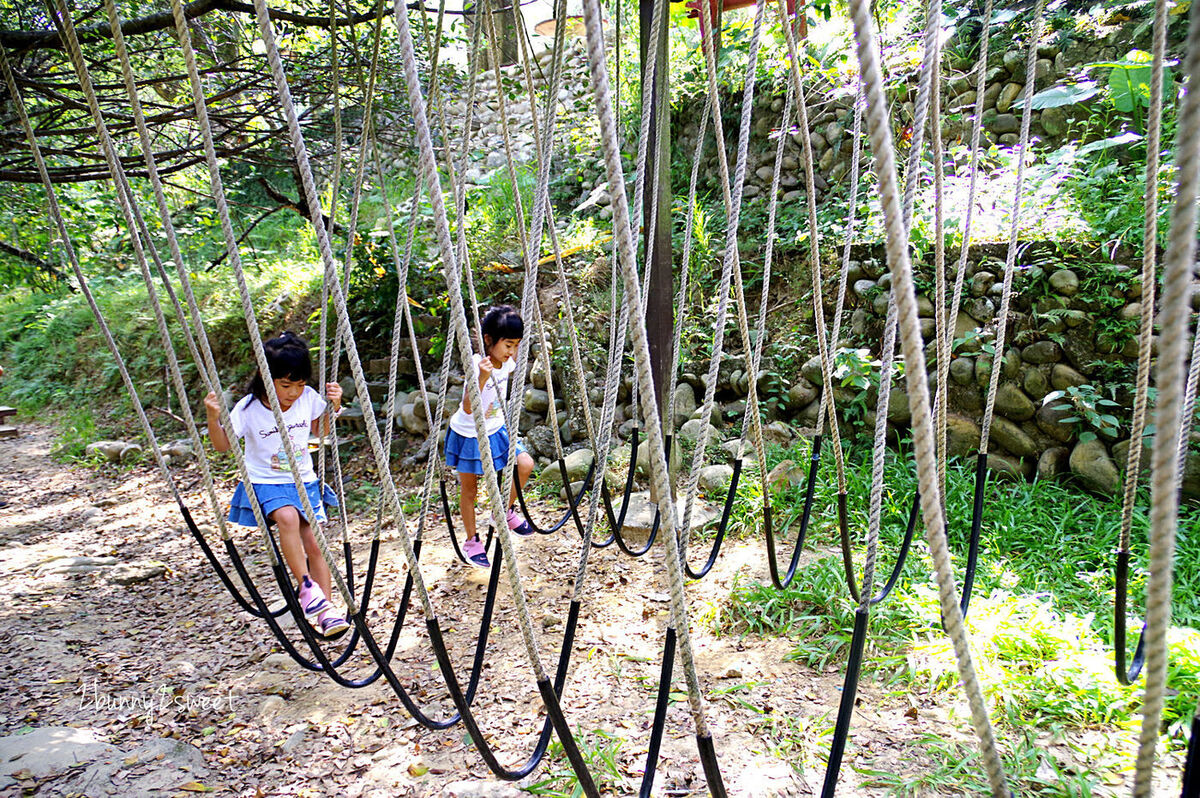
x=501, y=321
x=287, y=359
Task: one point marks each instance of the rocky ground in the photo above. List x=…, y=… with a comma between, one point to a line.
x=130, y=671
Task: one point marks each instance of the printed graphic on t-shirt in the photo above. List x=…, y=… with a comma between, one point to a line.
x=279, y=460
x=495, y=409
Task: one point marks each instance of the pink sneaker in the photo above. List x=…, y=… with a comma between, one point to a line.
x=312, y=598
x=333, y=625
x=475, y=553
x=517, y=523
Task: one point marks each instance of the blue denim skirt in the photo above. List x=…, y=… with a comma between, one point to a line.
x=272, y=497
x=462, y=453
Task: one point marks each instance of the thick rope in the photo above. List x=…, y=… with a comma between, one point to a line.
x=918, y=389
x=69, y=254
x=1141, y=390
x=204, y=363
x=1010, y=260
x=732, y=195
x=428, y=168
x=1164, y=496
x=827, y=412
x=961, y=267
x=623, y=236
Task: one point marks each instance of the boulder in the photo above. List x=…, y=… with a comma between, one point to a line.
x=1015, y=62
x=1004, y=467
x=109, y=450
x=1051, y=420
x=787, y=474
x=179, y=450
x=684, y=405
x=1042, y=352
x=983, y=371
x=714, y=478
x=962, y=370
x=1008, y=95
x=537, y=374
x=1065, y=282
x=962, y=435
x=811, y=370
x=1014, y=439
x=1035, y=383
x=879, y=305
x=132, y=573
x=1054, y=121
x=863, y=288
x=540, y=440
x=899, y=410
x=578, y=462
x=716, y=417
x=1094, y=469
x=981, y=283
x=981, y=309
x=413, y=423
x=1080, y=349
x=1053, y=462
x=1063, y=376
x=778, y=432
x=1120, y=454
x=692, y=430
x=1002, y=123
x=1012, y=403
x=801, y=394
x=1010, y=367
x=536, y=400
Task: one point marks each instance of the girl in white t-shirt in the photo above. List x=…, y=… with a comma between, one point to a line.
x=502, y=330
x=270, y=472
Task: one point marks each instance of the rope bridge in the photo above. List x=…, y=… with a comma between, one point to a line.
x=440, y=177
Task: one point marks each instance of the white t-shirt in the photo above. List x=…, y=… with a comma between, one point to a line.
x=492, y=397
x=266, y=459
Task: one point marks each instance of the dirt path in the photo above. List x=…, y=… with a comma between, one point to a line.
x=172, y=657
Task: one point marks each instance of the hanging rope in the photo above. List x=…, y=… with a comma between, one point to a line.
x=623, y=237
x=923, y=433
x=1170, y=380
x=1127, y=673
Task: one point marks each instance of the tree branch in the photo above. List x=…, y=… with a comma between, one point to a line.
x=33, y=260
x=246, y=234
x=25, y=40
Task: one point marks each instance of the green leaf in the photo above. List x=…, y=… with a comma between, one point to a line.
x=1129, y=81
x=1128, y=137
x=1057, y=96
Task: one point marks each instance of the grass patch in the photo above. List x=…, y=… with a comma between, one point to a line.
x=1040, y=623
x=601, y=751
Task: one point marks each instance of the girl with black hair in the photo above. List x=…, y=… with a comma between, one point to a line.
x=502, y=329
x=270, y=473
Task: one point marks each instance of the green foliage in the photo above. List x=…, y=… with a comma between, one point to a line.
x=1093, y=412
x=601, y=751
x=1040, y=623
x=54, y=354
x=1129, y=82
x=76, y=429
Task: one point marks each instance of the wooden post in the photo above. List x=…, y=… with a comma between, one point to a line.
x=656, y=226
